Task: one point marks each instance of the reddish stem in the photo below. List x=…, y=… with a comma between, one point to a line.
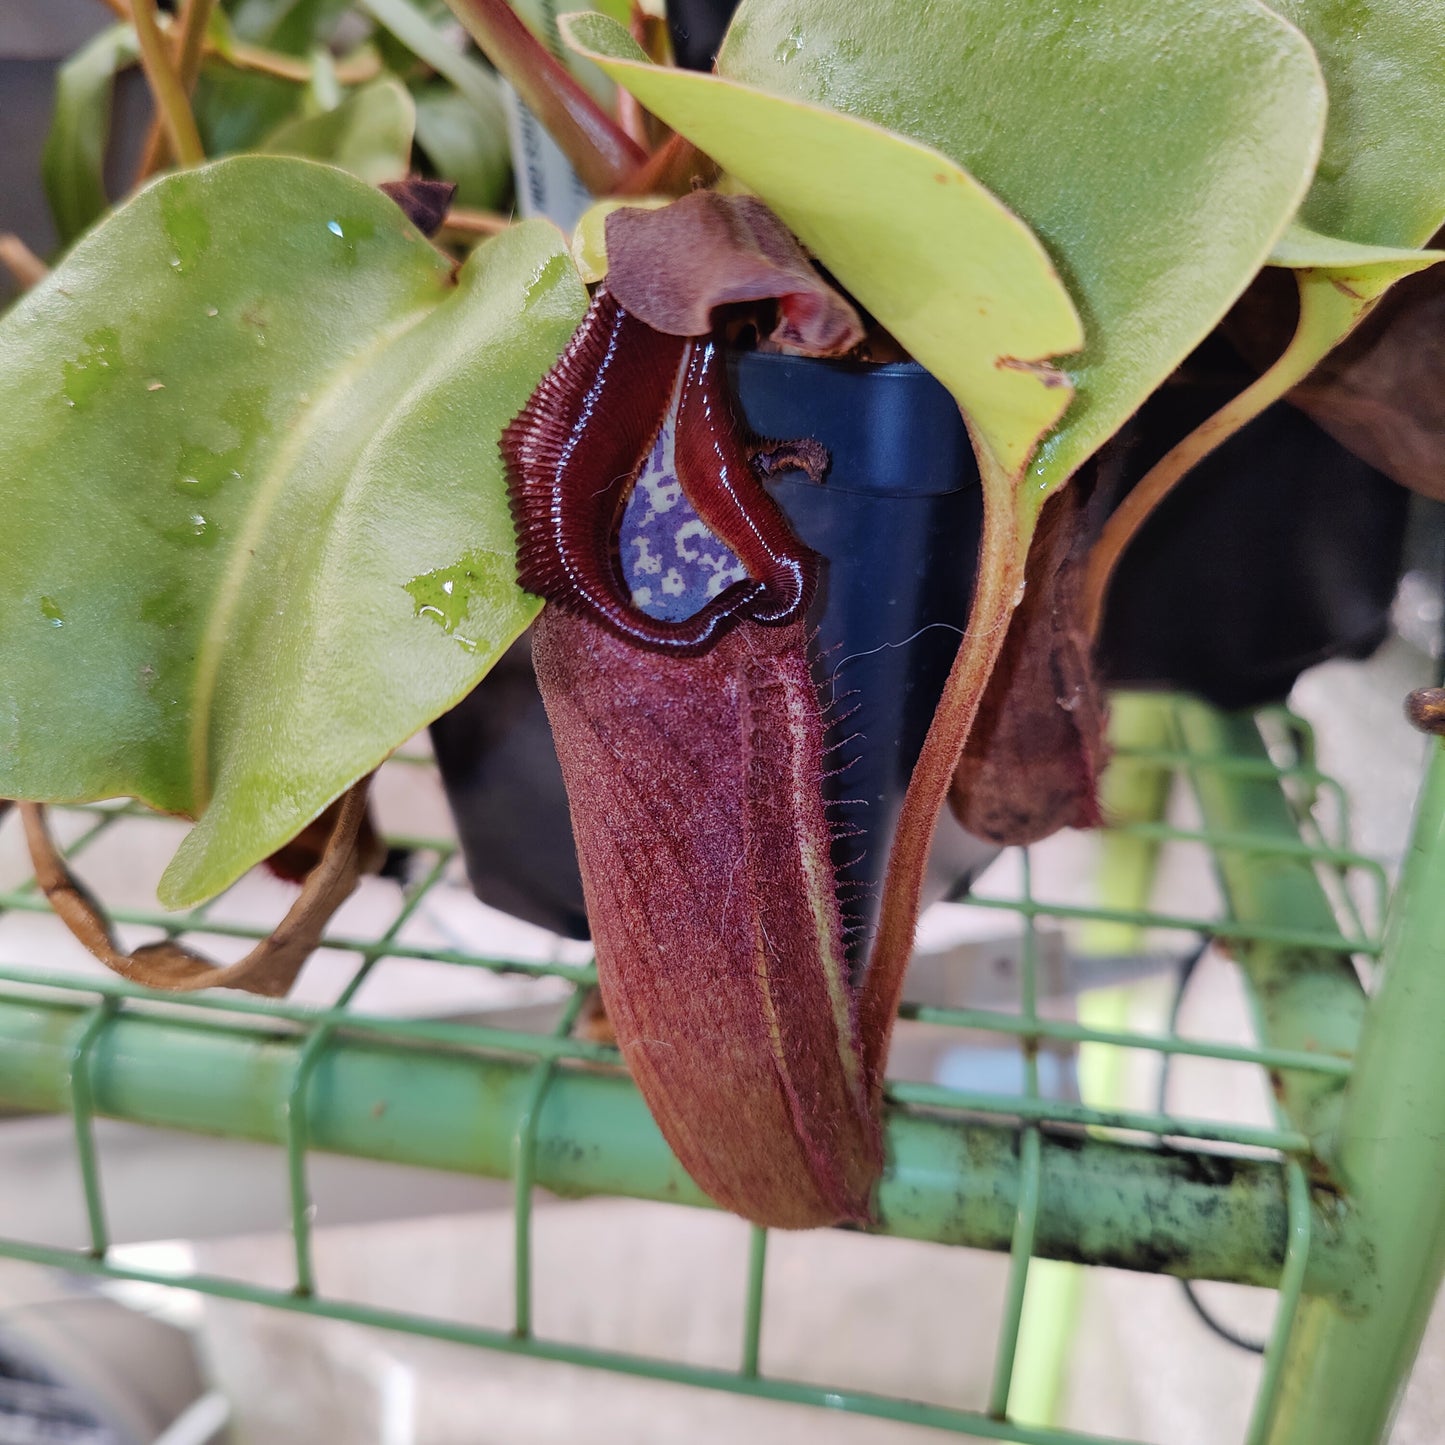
x=600, y=151
x=21, y=262
x=1000, y=578
x=671, y=170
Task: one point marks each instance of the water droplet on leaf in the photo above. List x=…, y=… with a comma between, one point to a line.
x=201, y=471
x=196, y=529
x=185, y=223
x=445, y=595
x=96, y=365
x=789, y=48
x=351, y=231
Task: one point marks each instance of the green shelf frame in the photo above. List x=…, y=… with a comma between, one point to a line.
x=1347, y=1229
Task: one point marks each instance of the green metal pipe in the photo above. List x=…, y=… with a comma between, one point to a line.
x=1301, y=998
x=955, y=1181
x=1345, y=1370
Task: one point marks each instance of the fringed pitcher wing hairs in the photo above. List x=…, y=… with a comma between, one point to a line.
x=695, y=789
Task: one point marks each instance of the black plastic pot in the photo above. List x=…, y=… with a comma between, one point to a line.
x=896, y=522
x=696, y=29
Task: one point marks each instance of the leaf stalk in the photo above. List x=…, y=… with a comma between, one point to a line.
x=190, y=45
x=21, y=262
x=1330, y=307
x=172, y=102
x=600, y=151
x=465, y=222
x=1002, y=552
x=240, y=55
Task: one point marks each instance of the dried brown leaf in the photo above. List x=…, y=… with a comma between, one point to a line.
x=269, y=969
x=1033, y=761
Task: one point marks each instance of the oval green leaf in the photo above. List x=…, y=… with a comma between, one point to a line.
x=1381, y=176
x=1378, y=194
x=1156, y=151
x=256, y=530
x=465, y=146
x=894, y=220
x=73, y=165
x=368, y=134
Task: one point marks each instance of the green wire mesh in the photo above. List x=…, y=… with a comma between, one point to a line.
x=1295, y=897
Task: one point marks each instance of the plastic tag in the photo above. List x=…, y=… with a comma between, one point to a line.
x=547, y=185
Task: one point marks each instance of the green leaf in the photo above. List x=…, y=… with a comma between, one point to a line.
x=889, y=218
x=1378, y=194
x=1157, y=152
x=236, y=109
x=1302, y=249
x=428, y=43
x=291, y=26
x=1381, y=176
x=73, y=166
x=464, y=146
x=368, y=134
x=462, y=130
x=1379, y=191
x=256, y=530
x=1339, y=283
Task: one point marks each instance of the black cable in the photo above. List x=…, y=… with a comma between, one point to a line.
x=1187, y=969
x=1224, y=1331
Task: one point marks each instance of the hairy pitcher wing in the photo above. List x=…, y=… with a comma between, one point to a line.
x=695, y=788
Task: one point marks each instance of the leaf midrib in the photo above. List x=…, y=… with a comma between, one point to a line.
x=228, y=593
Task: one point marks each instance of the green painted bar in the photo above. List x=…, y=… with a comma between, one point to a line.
x=753, y=1304
x=992, y=1021
x=1289, y=935
x=1346, y=1369
x=955, y=1181
x=1065, y=1111
x=1302, y=998
x=196, y=922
